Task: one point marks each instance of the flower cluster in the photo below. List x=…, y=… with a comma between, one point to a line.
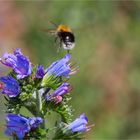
x=40, y=91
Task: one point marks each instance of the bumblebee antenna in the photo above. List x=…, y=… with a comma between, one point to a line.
x=53, y=23
x=52, y=30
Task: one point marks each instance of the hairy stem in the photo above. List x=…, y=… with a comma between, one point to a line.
x=38, y=102
x=39, y=108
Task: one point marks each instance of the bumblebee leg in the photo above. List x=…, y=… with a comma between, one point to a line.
x=68, y=51
x=60, y=45
x=55, y=39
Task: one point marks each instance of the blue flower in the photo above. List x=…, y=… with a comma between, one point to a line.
x=35, y=122
x=19, y=125
x=58, y=69
x=79, y=125
x=59, y=92
x=9, y=86
x=40, y=72
x=18, y=62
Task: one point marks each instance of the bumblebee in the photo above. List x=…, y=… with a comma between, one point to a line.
x=65, y=37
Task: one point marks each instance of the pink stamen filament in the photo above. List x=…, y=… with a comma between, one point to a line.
x=89, y=127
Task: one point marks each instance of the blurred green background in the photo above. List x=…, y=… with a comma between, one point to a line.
x=107, y=87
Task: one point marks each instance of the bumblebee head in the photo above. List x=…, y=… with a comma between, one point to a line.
x=63, y=28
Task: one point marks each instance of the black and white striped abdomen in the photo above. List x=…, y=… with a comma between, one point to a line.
x=67, y=39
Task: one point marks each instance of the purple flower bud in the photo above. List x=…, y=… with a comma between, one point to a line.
x=35, y=122
x=19, y=125
x=40, y=72
x=57, y=99
x=59, y=92
x=18, y=62
x=79, y=125
x=9, y=86
x=63, y=89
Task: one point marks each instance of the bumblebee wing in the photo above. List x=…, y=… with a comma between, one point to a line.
x=49, y=30
x=52, y=31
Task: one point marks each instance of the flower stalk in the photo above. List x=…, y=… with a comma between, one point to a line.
x=39, y=108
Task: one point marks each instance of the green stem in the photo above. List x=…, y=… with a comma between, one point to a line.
x=38, y=102
x=39, y=108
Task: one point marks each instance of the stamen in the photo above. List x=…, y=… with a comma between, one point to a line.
x=70, y=89
x=90, y=126
x=75, y=68
x=74, y=71
x=72, y=64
